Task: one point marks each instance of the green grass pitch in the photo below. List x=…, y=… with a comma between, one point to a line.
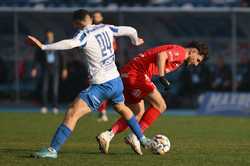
x=195, y=141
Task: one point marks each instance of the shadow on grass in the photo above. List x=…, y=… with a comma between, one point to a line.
x=20, y=153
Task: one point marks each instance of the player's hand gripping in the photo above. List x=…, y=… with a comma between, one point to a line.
x=34, y=41
x=164, y=82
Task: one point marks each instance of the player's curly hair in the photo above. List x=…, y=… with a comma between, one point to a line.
x=80, y=14
x=201, y=47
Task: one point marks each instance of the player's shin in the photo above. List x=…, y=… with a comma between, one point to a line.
x=134, y=126
x=150, y=115
x=119, y=126
x=132, y=122
x=61, y=135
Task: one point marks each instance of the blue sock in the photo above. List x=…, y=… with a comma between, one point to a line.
x=61, y=135
x=135, y=127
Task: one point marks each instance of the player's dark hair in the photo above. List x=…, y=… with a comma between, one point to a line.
x=201, y=47
x=80, y=14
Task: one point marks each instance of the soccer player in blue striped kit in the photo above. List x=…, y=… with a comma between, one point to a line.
x=95, y=42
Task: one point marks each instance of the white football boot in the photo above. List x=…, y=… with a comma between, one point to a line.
x=134, y=143
x=103, y=140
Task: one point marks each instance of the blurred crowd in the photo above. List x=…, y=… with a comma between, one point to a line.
x=96, y=3
x=28, y=71
x=216, y=77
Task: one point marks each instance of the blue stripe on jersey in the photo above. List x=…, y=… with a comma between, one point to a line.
x=82, y=36
x=115, y=30
x=109, y=59
x=82, y=46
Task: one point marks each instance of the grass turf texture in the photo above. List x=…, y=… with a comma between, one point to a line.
x=195, y=141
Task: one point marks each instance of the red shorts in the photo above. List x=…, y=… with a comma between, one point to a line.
x=136, y=86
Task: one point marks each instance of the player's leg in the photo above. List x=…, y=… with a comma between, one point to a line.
x=120, y=125
x=157, y=106
x=76, y=110
x=151, y=114
x=127, y=114
x=103, y=112
x=131, y=139
x=135, y=85
x=142, y=88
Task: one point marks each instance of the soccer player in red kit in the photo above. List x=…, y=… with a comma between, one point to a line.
x=138, y=87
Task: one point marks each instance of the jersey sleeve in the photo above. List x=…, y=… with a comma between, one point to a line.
x=125, y=31
x=172, y=67
x=176, y=57
x=114, y=29
x=81, y=37
x=176, y=54
x=62, y=45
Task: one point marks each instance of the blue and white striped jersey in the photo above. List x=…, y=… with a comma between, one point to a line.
x=96, y=44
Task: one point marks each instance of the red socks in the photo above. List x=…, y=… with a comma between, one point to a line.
x=150, y=115
x=119, y=126
x=103, y=106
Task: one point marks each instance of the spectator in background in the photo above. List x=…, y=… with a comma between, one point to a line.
x=2, y=71
x=243, y=73
x=245, y=3
x=221, y=76
x=194, y=81
x=201, y=79
x=49, y=63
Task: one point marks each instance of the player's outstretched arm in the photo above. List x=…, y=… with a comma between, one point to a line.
x=60, y=45
x=34, y=41
x=127, y=31
x=161, y=62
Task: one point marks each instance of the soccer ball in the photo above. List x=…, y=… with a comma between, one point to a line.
x=160, y=144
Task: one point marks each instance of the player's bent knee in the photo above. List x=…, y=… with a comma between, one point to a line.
x=164, y=107
x=76, y=110
x=161, y=106
x=71, y=115
x=139, y=115
x=119, y=107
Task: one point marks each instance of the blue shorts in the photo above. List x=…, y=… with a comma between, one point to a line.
x=97, y=93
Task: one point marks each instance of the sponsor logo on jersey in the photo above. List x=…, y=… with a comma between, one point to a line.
x=136, y=92
x=146, y=77
x=176, y=54
x=170, y=56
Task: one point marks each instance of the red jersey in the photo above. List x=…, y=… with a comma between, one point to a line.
x=146, y=63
